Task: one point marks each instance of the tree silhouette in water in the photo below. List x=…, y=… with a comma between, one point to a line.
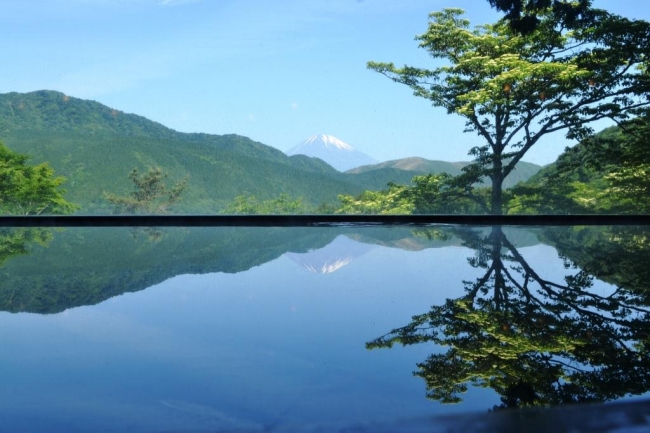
x=534, y=341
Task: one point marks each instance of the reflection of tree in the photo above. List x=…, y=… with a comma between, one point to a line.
x=534, y=341
x=618, y=255
x=16, y=241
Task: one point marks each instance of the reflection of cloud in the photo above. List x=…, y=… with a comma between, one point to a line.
x=294, y=105
x=177, y=2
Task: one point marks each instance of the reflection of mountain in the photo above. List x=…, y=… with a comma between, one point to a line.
x=86, y=266
x=618, y=255
x=332, y=257
x=421, y=238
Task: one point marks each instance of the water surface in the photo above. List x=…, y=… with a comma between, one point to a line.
x=250, y=329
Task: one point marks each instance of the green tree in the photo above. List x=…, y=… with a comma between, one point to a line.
x=150, y=194
x=436, y=193
x=605, y=173
x=523, y=15
x=623, y=159
x=513, y=89
x=394, y=201
x=284, y=204
x=29, y=189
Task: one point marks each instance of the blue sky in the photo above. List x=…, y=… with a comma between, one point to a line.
x=277, y=71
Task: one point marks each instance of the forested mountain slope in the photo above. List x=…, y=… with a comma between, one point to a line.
x=402, y=170
x=95, y=147
x=605, y=173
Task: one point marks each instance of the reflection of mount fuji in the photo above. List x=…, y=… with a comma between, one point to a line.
x=86, y=266
x=332, y=257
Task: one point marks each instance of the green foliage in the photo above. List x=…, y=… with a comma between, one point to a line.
x=90, y=144
x=401, y=171
x=391, y=201
x=522, y=15
x=220, y=168
x=442, y=194
x=29, y=189
x=633, y=185
x=512, y=89
x=430, y=194
x=282, y=205
x=602, y=174
x=55, y=112
x=624, y=161
x=150, y=194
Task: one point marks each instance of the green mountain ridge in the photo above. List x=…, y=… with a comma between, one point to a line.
x=583, y=179
x=413, y=164
x=95, y=147
x=408, y=167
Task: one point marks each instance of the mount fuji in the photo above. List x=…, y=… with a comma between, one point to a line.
x=333, y=151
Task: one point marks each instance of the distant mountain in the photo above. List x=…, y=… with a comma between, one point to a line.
x=401, y=171
x=333, y=151
x=95, y=147
x=418, y=164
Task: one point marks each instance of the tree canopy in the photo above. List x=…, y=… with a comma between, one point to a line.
x=522, y=15
x=29, y=189
x=284, y=204
x=513, y=89
x=430, y=194
x=605, y=173
x=150, y=193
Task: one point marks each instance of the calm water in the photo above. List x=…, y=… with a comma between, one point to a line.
x=218, y=329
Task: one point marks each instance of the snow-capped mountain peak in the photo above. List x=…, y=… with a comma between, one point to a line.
x=329, y=141
x=333, y=151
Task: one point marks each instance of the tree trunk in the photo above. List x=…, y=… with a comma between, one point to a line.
x=496, y=205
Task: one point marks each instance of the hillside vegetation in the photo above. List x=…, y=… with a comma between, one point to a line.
x=95, y=148
x=403, y=170
x=605, y=173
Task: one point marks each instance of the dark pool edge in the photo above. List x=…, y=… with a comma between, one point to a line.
x=315, y=220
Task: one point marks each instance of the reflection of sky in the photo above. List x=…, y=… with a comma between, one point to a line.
x=274, y=344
